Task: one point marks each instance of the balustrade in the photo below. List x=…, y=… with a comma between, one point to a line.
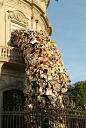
x=11, y=52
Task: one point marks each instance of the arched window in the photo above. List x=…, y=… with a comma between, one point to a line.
x=15, y=26
x=17, y=20
x=13, y=99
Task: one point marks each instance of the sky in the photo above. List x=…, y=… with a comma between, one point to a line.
x=68, y=19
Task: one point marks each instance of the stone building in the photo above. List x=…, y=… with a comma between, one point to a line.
x=17, y=14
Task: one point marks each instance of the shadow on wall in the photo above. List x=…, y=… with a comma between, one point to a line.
x=10, y=42
x=12, y=81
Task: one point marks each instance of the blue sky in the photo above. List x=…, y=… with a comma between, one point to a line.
x=68, y=19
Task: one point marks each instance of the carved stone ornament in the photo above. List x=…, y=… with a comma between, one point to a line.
x=19, y=16
x=1, y=4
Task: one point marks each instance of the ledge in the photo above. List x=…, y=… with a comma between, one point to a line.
x=11, y=55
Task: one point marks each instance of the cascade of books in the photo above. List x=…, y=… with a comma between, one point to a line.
x=46, y=78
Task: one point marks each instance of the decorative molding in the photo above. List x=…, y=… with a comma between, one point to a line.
x=1, y=4
x=19, y=16
x=10, y=87
x=47, y=3
x=19, y=3
x=36, y=21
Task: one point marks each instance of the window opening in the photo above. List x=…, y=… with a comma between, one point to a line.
x=13, y=99
x=14, y=26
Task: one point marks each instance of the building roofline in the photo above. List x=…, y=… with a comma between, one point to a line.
x=48, y=3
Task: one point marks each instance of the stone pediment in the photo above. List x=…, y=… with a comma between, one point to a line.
x=18, y=16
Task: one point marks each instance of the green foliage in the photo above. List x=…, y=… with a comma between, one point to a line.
x=78, y=94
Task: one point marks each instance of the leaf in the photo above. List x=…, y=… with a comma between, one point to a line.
x=78, y=94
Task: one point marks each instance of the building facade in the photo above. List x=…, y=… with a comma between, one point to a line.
x=17, y=14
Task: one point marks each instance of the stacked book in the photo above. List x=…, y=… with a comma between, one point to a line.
x=46, y=78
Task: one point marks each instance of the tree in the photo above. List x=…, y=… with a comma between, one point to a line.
x=78, y=94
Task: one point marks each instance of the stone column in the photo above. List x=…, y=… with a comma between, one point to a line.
x=8, y=29
x=2, y=24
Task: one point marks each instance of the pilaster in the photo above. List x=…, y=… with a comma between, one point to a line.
x=2, y=25
x=8, y=29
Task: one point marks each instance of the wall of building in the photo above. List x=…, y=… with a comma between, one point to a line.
x=29, y=14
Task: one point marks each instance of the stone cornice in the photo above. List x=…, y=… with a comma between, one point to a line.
x=31, y=2
x=35, y=4
x=48, y=1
